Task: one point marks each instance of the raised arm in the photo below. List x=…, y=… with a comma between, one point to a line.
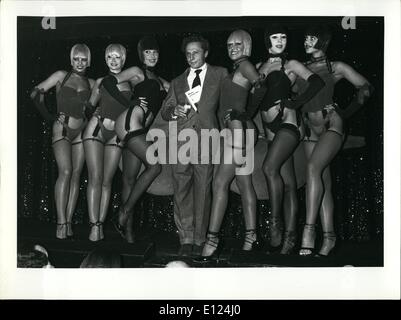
x=364, y=88
x=50, y=82
x=343, y=70
x=37, y=94
x=249, y=72
x=297, y=69
x=133, y=74
x=256, y=94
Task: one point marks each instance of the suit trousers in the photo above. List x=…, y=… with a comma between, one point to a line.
x=192, y=201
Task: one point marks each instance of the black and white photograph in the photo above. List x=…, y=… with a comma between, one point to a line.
x=247, y=144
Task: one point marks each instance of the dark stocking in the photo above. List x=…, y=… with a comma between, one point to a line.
x=138, y=145
x=281, y=148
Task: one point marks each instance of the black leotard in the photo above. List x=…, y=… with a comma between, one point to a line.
x=109, y=107
x=150, y=89
x=70, y=101
x=278, y=88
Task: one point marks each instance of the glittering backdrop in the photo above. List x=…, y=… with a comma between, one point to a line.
x=357, y=172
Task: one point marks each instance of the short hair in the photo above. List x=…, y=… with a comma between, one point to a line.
x=273, y=29
x=195, y=38
x=116, y=47
x=146, y=43
x=322, y=33
x=81, y=48
x=246, y=38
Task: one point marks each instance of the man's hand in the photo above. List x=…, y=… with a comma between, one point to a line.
x=180, y=111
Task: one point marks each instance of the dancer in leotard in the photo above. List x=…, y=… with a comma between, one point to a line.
x=148, y=53
x=324, y=121
x=282, y=128
x=73, y=91
x=102, y=146
x=233, y=101
x=132, y=126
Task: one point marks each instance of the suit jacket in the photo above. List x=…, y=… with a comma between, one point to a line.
x=205, y=118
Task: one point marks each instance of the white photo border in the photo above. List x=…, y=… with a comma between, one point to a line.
x=196, y=283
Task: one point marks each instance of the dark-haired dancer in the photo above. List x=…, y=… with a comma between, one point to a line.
x=325, y=137
x=282, y=126
x=73, y=91
x=233, y=101
x=132, y=127
x=192, y=181
x=148, y=53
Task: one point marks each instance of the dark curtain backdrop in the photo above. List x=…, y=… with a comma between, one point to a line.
x=357, y=172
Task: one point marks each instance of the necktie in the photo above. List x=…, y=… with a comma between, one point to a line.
x=197, y=81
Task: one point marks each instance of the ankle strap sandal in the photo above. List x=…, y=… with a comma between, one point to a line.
x=289, y=243
x=275, y=233
x=328, y=245
x=95, y=224
x=212, y=239
x=251, y=242
x=60, y=230
x=308, y=240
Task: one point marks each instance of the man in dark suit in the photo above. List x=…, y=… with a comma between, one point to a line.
x=192, y=181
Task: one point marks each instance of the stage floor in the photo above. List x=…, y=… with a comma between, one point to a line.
x=155, y=249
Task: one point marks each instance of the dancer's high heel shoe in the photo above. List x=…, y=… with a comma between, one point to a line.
x=116, y=222
x=328, y=245
x=101, y=233
x=70, y=234
x=93, y=225
x=275, y=234
x=130, y=236
x=212, y=243
x=61, y=231
x=251, y=243
x=308, y=240
x=289, y=243
x=129, y=230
